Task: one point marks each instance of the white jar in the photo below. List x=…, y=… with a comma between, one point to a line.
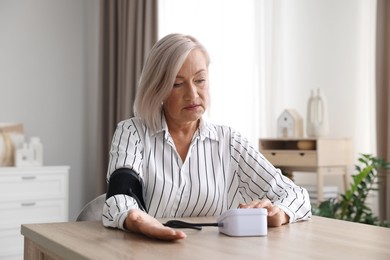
x=24, y=156
x=37, y=150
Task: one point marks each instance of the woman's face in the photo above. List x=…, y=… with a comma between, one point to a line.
x=189, y=97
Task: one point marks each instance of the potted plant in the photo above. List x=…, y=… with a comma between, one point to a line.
x=351, y=205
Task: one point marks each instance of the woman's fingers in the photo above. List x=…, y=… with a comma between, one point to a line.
x=164, y=233
x=276, y=216
x=264, y=203
x=140, y=222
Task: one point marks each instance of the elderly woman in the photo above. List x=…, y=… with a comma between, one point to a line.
x=187, y=166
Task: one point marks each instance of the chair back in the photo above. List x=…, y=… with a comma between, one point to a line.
x=93, y=210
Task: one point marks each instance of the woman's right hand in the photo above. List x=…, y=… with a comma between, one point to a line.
x=141, y=222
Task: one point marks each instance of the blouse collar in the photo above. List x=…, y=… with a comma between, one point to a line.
x=205, y=129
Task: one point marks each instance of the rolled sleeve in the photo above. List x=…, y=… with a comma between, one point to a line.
x=116, y=209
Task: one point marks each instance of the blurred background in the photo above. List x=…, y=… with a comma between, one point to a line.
x=266, y=56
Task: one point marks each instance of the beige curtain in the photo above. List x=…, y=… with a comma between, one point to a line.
x=128, y=31
x=383, y=101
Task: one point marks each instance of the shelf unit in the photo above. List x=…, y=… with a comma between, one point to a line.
x=324, y=156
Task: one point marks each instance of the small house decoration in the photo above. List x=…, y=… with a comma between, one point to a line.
x=290, y=124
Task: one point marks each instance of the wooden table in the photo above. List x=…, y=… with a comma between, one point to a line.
x=318, y=238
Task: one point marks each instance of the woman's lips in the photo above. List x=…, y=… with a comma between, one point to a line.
x=191, y=106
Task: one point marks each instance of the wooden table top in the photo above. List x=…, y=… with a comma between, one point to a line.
x=318, y=238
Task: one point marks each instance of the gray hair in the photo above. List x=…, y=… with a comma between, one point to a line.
x=159, y=73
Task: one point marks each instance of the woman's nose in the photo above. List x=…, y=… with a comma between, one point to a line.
x=191, y=90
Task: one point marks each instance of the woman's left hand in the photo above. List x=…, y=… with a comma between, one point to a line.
x=276, y=216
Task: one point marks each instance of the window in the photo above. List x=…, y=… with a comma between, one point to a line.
x=227, y=28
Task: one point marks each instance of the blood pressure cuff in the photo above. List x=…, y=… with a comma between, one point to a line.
x=126, y=181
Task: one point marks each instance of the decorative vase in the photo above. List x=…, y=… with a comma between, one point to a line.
x=317, y=115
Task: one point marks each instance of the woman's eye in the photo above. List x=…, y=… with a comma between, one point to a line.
x=176, y=85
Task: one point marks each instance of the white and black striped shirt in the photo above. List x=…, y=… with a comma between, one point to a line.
x=220, y=171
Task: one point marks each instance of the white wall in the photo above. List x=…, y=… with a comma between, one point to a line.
x=48, y=51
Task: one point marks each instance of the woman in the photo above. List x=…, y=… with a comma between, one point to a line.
x=187, y=166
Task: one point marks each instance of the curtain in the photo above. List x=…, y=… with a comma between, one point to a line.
x=382, y=101
x=128, y=31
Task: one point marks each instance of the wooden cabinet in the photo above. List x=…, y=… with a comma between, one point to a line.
x=30, y=195
x=324, y=156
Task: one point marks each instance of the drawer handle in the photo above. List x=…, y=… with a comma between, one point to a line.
x=28, y=204
x=301, y=154
x=29, y=177
x=273, y=154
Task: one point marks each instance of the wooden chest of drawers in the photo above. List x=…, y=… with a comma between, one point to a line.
x=325, y=156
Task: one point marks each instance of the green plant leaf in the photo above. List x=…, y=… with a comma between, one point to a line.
x=357, y=180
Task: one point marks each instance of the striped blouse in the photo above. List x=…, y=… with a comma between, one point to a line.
x=220, y=171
